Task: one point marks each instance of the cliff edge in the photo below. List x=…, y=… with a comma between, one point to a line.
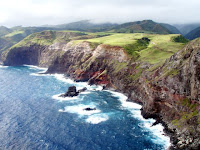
x=167, y=89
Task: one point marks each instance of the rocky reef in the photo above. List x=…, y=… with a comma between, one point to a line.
x=168, y=92
x=71, y=92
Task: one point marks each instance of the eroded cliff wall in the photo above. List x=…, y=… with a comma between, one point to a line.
x=168, y=93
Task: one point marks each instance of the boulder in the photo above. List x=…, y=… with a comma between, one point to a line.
x=71, y=92
x=82, y=90
x=89, y=109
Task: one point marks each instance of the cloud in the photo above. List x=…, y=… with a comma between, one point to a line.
x=40, y=12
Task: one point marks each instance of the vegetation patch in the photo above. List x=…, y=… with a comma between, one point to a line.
x=14, y=33
x=180, y=39
x=137, y=46
x=190, y=111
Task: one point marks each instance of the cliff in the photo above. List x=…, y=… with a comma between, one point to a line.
x=167, y=89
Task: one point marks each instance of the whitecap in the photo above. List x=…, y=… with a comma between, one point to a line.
x=62, y=78
x=1, y=66
x=157, y=130
x=79, y=109
x=124, y=102
x=87, y=92
x=36, y=67
x=57, y=97
x=79, y=85
x=97, y=118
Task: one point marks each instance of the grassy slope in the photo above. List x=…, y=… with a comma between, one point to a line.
x=159, y=49
x=14, y=33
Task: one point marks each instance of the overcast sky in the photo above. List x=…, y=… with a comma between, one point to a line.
x=42, y=12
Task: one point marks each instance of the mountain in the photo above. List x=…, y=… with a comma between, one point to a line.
x=11, y=36
x=85, y=25
x=146, y=26
x=160, y=73
x=4, y=30
x=171, y=28
x=186, y=28
x=193, y=34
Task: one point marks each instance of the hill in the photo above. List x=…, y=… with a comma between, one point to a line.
x=146, y=26
x=11, y=36
x=193, y=34
x=85, y=25
x=152, y=48
x=171, y=28
x=154, y=70
x=186, y=28
x=4, y=30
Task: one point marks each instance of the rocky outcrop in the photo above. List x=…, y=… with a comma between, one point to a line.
x=33, y=55
x=168, y=92
x=89, y=109
x=71, y=92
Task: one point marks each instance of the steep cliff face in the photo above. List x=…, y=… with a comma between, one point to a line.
x=35, y=54
x=168, y=92
x=173, y=92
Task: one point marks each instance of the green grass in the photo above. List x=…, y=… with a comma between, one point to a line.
x=137, y=46
x=14, y=33
x=180, y=39
x=157, y=50
x=160, y=48
x=119, y=39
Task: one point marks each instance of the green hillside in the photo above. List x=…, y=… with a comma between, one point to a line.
x=4, y=31
x=158, y=49
x=193, y=34
x=152, y=48
x=146, y=26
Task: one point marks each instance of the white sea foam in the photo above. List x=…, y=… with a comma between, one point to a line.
x=79, y=85
x=125, y=103
x=157, y=130
x=36, y=67
x=1, y=66
x=134, y=108
x=62, y=78
x=40, y=73
x=57, y=97
x=93, y=116
x=87, y=92
x=79, y=109
x=97, y=118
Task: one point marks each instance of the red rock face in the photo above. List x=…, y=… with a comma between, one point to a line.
x=170, y=93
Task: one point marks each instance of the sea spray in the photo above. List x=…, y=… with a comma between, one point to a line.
x=96, y=117
x=157, y=130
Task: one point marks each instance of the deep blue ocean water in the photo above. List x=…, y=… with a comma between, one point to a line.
x=32, y=116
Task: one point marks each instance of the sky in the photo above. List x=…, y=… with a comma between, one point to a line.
x=53, y=12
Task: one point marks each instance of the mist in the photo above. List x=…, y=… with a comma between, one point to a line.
x=51, y=12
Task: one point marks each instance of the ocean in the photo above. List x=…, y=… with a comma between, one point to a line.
x=33, y=116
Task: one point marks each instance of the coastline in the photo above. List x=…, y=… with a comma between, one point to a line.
x=157, y=127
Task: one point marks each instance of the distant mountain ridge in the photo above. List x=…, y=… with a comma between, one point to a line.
x=11, y=36
x=193, y=34
x=171, y=28
x=186, y=28
x=4, y=30
x=145, y=26
x=85, y=25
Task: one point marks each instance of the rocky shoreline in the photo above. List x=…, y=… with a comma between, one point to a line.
x=168, y=93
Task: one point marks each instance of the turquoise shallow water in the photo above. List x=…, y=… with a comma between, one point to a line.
x=32, y=116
